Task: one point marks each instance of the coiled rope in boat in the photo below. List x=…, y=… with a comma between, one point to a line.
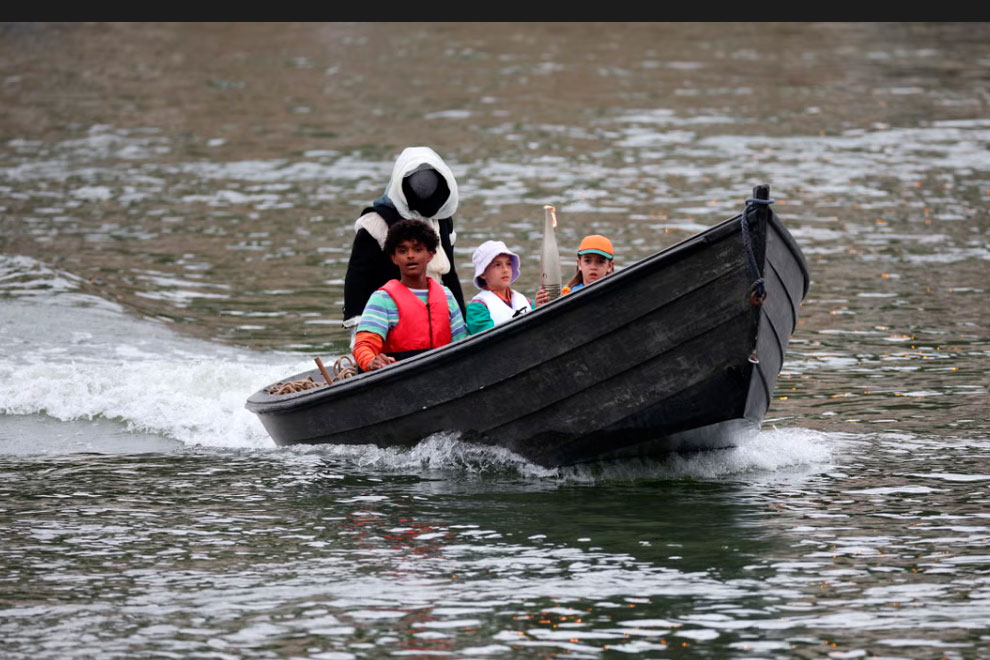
x=340, y=371
x=291, y=386
x=344, y=367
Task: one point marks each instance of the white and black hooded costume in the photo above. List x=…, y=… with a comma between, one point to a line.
x=422, y=187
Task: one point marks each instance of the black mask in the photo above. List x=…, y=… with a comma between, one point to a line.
x=425, y=191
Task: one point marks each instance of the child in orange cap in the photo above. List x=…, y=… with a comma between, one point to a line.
x=595, y=260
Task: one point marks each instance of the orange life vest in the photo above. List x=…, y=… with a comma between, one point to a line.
x=420, y=326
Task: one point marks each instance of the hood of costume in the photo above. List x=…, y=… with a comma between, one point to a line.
x=414, y=159
x=369, y=267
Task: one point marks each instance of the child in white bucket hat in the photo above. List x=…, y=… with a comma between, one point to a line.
x=496, y=267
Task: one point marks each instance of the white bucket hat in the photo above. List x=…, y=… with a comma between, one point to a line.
x=485, y=254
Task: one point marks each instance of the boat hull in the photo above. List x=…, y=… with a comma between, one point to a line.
x=674, y=353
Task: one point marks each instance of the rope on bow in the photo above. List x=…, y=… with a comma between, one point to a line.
x=757, y=292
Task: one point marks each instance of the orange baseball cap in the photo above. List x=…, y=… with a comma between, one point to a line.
x=595, y=244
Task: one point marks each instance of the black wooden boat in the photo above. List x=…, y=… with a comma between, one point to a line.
x=677, y=352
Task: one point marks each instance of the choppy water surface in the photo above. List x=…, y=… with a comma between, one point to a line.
x=176, y=210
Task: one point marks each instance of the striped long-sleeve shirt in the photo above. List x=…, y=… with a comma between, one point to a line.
x=381, y=314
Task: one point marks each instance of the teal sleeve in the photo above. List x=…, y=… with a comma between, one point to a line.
x=478, y=318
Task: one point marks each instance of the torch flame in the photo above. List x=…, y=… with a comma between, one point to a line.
x=553, y=214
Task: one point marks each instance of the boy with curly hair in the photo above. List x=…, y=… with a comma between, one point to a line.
x=412, y=314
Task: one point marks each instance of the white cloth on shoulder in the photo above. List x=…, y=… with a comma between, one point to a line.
x=499, y=310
